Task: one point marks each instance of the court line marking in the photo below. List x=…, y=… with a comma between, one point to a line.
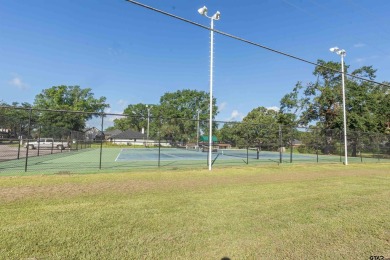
x=118, y=155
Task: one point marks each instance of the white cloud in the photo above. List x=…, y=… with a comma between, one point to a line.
x=122, y=103
x=108, y=120
x=17, y=82
x=360, y=60
x=359, y=45
x=275, y=108
x=235, y=115
x=222, y=106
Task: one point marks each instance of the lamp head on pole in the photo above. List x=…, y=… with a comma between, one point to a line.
x=203, y=10
x=216, y=16
x=338, y=51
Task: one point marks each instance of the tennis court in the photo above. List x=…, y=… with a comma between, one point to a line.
x=112, y=159
x=180, y=154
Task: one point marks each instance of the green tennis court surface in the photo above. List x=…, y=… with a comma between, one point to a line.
x=92, y=160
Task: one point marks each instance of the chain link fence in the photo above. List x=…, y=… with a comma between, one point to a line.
x=27, y=145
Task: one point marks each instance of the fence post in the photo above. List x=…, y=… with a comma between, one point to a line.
x=378, y=147
x=340, y=146
x=360, y=147
x=39, y=139
x=291, y=144
x=20, y=138
x=159, y=148
x=280, y=144
x=317, y=143
x=101, y=145
x=28, y=136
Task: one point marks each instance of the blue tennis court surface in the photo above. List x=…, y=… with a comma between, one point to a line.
x=166, y=154
x=177, y=154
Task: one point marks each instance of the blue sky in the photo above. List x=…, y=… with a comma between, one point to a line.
x=133, y=55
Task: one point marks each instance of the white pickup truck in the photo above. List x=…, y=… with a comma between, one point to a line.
x=46, y=143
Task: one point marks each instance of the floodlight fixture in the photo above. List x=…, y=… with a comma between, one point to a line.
x=216, y=16
x=203, y=10
x=338, y=51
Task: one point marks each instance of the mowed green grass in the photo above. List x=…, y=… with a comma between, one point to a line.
x=272, y=212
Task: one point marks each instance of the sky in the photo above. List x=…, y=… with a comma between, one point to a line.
x=131, y=55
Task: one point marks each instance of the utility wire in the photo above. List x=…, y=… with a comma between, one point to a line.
x=250, y=42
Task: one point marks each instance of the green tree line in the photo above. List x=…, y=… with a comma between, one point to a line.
x=315, y=104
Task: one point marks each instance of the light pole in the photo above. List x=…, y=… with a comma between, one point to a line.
x=342, y=54
x=216, y=16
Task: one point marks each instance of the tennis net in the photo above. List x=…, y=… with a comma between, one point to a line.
x=242, y=153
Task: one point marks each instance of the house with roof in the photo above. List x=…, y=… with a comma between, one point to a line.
x=108, y=134
x=128, y=137
x=93, y=134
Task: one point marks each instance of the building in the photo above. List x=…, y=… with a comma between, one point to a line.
x=93, y=134
x=128, y=137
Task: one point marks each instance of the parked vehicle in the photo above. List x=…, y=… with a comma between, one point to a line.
x=46, y=143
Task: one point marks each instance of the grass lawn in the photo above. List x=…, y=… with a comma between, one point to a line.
x=270, y=212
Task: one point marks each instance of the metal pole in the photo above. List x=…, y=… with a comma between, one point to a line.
x=20, y=138
x=247, y=154
x=340, y=146
x=345, y=115
x=280, y=144
x=291, y=144
x=39, y=139
x=159, y=148
x=101, y=146
x=197, y=132
x=28, y=136
x=211, y=92
x=147, y=132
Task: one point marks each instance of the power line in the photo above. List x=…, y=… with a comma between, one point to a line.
x=250, y=42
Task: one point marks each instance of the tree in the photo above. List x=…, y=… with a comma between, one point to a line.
x=321, y=102
x=260, y=128
x=16, y=118
x=70, y=98
x=175, y=118
x=382, y=102
x=228, y=133
x=136, y=117
x=110, y=128
x=178, y=108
